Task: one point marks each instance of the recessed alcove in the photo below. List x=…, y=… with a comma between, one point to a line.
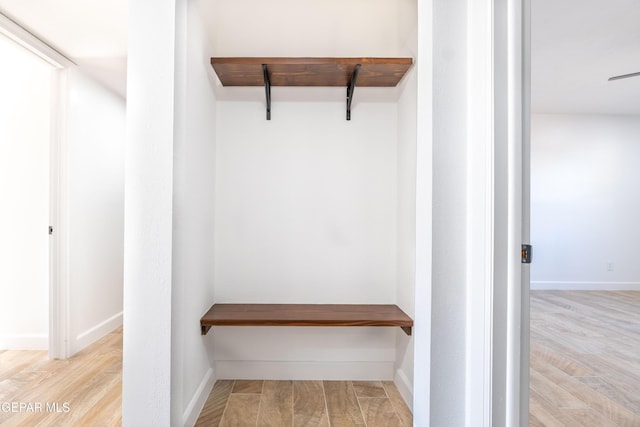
x=310, y=208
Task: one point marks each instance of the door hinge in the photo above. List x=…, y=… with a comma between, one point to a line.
x=526, y=254
x=50, y=230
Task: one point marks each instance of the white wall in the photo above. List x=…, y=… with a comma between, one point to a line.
x=449, y=289
x=25, y=85
x=148, y=233
x=312, y=28
x=584, y=201
x=306, y=212
x=193, y=221
x=95, y=142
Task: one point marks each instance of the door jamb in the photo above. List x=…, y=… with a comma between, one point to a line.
x=519, y=81
x=525, y=100
x=58, y=214
x=58, y=243
x=498, y=60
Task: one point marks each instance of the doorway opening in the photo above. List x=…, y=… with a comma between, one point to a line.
x=584, y=278
x=25, y=182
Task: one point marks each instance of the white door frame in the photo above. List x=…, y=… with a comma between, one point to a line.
x=519, y=110
x=58, y=254
x=510, y=335
x=525, y=213
x=58, y=243
x=512, y=70
x=497, y=118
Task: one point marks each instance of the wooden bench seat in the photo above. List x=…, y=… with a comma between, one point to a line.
x=305, y=315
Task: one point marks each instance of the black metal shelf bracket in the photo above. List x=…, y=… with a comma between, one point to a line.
x=350, y=88
x=267, y=89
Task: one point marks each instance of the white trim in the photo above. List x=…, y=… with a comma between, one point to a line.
x=584, y=286
x=515, y=393
x=302, y=370
x=58, y=253
x=33, y=43
x=24, y=342
x=59, y=218
x=424, y=215
x=404, y=387
x=96, y=332
x=191, y=413
x=480, y=213
x=525, y=349
x=494, y=211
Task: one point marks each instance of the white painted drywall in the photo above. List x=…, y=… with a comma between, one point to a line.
x=25, y=85
x=450, y=173
x=584, y=201
x=95, y=131
x=146, y=381
x=306, y=212
x=312, y=28
x=193, y=218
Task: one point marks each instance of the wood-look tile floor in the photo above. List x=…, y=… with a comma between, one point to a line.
x=84, y=390
x=585, y=358
x=258, y=403
x=585, y=371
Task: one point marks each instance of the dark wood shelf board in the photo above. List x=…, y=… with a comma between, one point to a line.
x=247, y=71
x=305, y=315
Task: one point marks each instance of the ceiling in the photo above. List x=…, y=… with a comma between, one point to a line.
x=576, y=46
x=91, y=33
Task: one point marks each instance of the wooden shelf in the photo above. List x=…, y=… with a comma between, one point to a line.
x=305, y=315
x=345, y=72
x=383, y=72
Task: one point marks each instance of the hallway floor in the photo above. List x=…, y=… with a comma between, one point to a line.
x=305, y=403
x=84, y=390
x=585, y=371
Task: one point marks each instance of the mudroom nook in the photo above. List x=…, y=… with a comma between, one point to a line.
x=296, y=190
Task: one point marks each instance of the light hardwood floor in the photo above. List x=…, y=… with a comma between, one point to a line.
x=84, y=390
x=305, y=403
x=585, y=371
x=585, y=358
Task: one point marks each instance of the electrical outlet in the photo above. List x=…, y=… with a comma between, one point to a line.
x=609, y=266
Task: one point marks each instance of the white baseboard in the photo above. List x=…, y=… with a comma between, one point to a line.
x=196, y=404
x=404, y=387
x=584, y=286
x=24, y=342
x=93, y=334
x=268, y=370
